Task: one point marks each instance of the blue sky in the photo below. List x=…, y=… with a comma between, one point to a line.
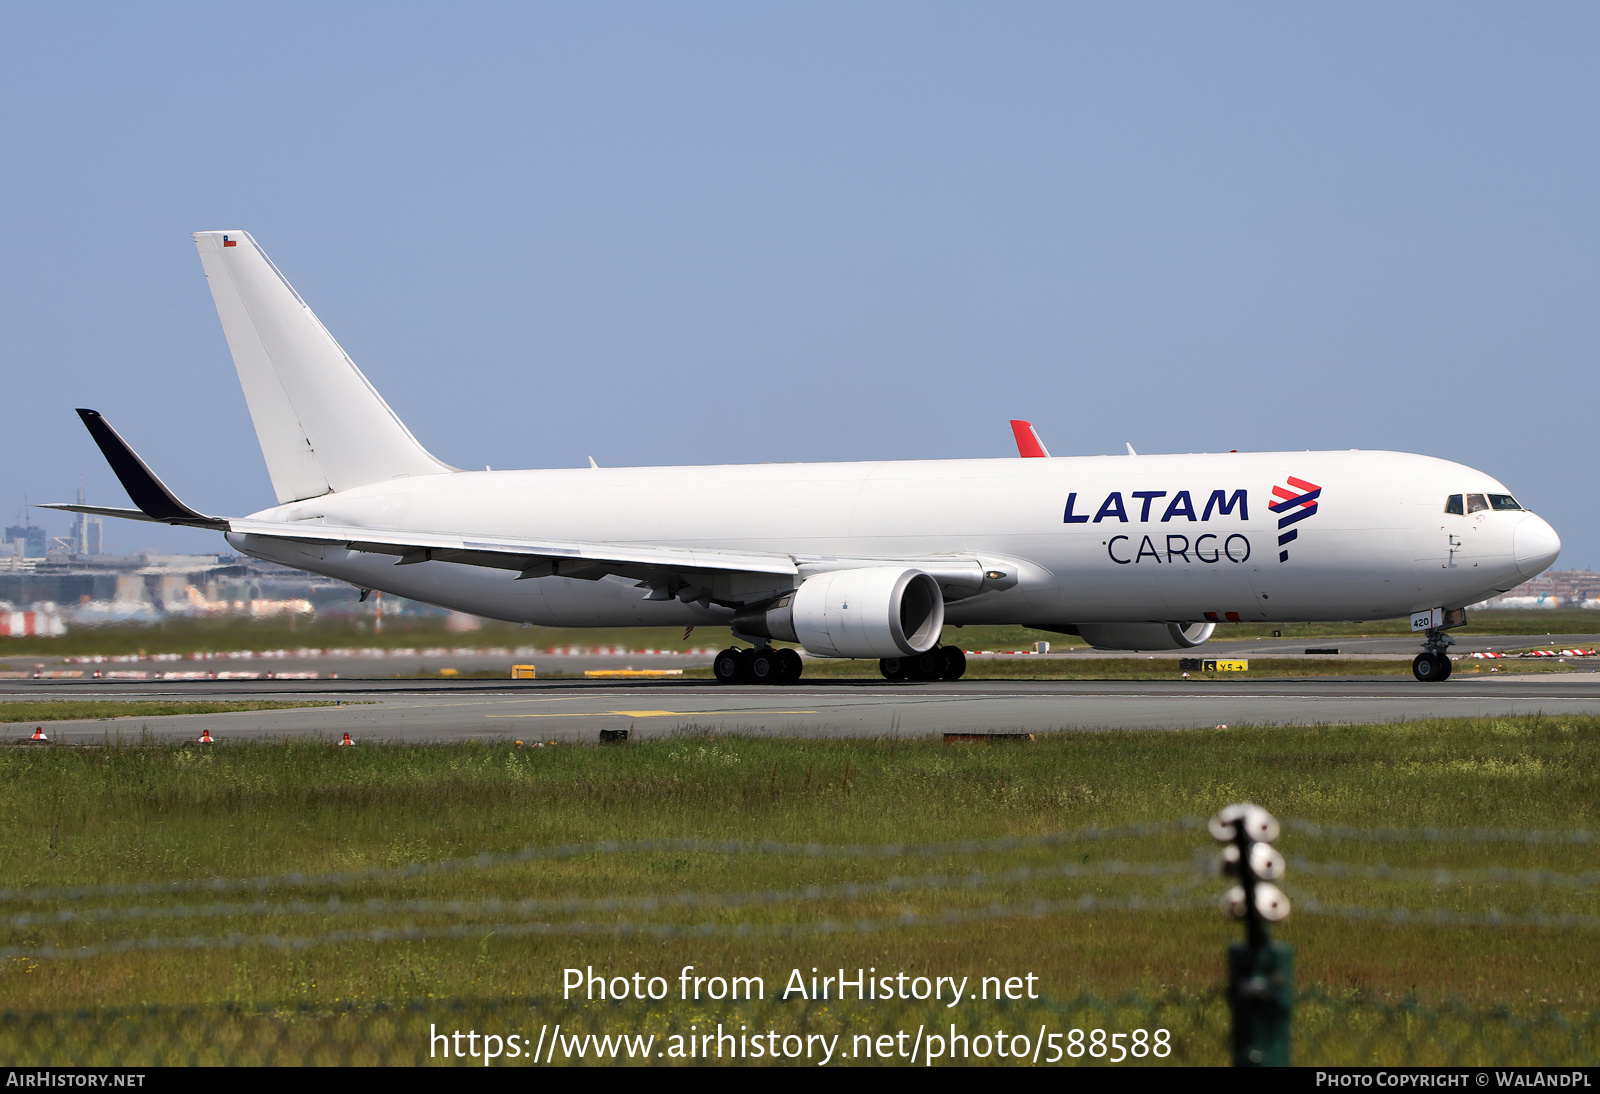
x=687, y=233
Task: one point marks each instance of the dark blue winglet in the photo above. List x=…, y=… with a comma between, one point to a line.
x=148, y=492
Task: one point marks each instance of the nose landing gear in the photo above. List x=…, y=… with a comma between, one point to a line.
x=1433, y=663
x=1431, y=666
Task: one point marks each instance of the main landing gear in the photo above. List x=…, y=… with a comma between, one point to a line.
x=939, y=663
x=769, y=665
x=762, y=665
x=1433, y=663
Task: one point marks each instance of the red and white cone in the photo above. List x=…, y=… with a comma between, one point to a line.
x=347, y=741
x=205, y=737
x=38, y=734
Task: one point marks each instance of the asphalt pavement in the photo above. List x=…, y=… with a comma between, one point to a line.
x=576, y=710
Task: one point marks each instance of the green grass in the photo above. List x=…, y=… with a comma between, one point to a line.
x=184, y=635
x=68, y=710
x=122, y=813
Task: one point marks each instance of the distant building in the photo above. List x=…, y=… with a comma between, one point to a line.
x=149, y=585
x=85, y=539
x=1552, y=589
x=27, y=540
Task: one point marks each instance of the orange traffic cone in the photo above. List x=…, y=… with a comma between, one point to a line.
x=205, y=736
x=346, y=741
x=38, y=734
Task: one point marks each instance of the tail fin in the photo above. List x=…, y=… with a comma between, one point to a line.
x=1028, y=442
x=321, y=424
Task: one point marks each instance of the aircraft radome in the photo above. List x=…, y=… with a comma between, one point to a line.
x=866, y=560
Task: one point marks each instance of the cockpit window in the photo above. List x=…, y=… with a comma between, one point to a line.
x=1477, y=503
x=1503, y=501
x=1452, y=504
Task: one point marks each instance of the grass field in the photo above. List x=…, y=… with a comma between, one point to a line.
x=70, y=710
x=136, y=813
x=184, y=635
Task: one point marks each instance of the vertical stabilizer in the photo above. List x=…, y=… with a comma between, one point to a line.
x=321, y=424
x=1028, y=443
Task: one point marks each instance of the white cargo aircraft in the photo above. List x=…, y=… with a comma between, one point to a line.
x=865, y=560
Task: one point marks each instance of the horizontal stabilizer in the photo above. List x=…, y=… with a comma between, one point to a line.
x=101, y=511
x=147, y=491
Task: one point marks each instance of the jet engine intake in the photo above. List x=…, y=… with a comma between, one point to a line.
x=872, y=611
x=1141, y=636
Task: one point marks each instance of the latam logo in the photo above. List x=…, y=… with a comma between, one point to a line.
x=1182, y=505
x=1294, y=507
x=1143, y=507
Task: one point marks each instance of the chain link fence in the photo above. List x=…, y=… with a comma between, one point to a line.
x=1084, y=1031
x=1187, y=1029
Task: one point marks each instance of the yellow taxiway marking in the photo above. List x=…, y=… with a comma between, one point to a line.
x=645, y=713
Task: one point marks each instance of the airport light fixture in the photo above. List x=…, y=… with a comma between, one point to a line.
x=1260, y=971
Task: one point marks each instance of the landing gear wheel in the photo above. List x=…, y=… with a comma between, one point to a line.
x=728, y=665
x=764, y=667
x=789, y=666
x=953, y=662
x=1431, y=667
x=926, y=666
x=893, y=668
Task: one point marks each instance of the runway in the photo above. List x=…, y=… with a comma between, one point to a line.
x=576, y=711
x=379, y=664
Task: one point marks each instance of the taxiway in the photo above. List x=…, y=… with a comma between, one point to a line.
x=576, y=711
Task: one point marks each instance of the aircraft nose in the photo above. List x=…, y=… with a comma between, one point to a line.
x=1536, y=545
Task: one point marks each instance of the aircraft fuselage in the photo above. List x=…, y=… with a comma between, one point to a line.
x=1346, y=536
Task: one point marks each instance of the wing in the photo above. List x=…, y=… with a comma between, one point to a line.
x=148, y=492
x=534, y=557
x=667, y=572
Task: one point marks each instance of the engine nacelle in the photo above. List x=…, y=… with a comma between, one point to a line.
x=1143, y=636
x=874, y=611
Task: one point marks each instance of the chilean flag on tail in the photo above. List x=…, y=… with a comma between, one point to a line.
x=1295, y=507
x=226, y=242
